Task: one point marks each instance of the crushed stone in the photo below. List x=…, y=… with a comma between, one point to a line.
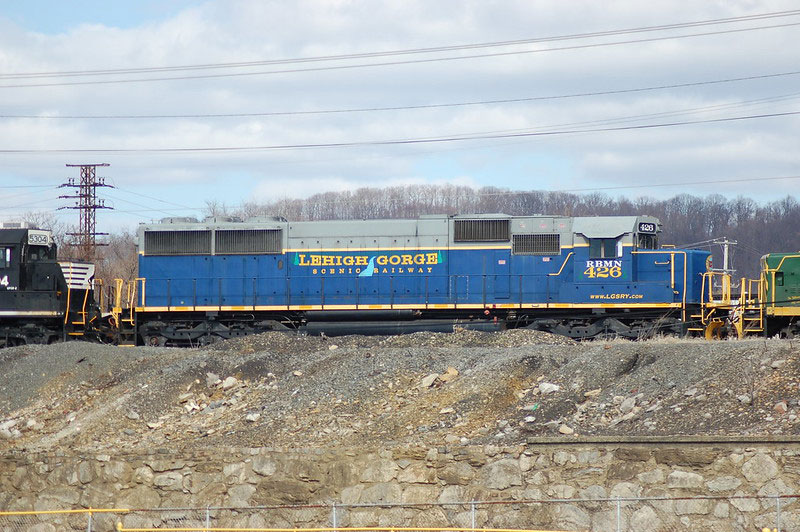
x=284, y=391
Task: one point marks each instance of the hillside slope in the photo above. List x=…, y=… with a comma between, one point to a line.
x=285, y=391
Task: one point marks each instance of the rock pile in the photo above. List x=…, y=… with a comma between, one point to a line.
x=463, y=388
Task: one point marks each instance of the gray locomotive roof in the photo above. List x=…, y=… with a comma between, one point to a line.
x=608, y=226
x=424, y=232
x=590, y=226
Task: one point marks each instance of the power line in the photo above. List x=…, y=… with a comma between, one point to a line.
x=524, y=192
x=744, y=18
x=395, y=142
x=634, y=118
x=425, y=106
x=37, y=202
x=363, y=55
x=679, y=184
x=149, y=197
x=476, y=195
x=6, y=198
x=395, y=63
x=137, y=204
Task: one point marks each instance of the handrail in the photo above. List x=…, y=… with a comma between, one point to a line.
x=725, y=281
x=79, y=511
x=143, y=281
x=570, y=254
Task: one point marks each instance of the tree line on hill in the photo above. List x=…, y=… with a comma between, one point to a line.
x=688, y=221
x=758, y=228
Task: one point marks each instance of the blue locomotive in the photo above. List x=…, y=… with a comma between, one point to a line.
x=583, y=277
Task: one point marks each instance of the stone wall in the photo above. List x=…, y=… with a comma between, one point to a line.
x=417, y=476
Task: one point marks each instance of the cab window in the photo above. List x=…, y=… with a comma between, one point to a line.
x=646, y=241
x=5, y=257
x=779, y=278
x=602, y=248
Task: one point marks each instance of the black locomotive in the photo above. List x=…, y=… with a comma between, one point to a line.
x=42, y=300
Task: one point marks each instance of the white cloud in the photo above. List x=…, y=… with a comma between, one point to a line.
x=236, y=31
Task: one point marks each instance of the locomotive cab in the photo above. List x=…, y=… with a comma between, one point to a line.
x=27, y=260
x=780, y=293
x=41, y=301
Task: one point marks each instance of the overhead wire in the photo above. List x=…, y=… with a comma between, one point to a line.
x=6, y=198
x=395, y=142
x=623, y=119
x=522, y=193
x=173, y=211
x=634, y=118
x=393, y=63
x=413, y=107
x=112, y=197
x=387, y=53
x=37, y=202
x=122, y=189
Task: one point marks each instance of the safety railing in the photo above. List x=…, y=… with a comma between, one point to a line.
x=124, y=298
x=620, y=514
x=613, y=513
x=715, y=304
x=748, y=315
x=90, y=520
x=721, y=296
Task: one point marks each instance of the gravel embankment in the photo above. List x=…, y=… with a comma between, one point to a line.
x=467, y=387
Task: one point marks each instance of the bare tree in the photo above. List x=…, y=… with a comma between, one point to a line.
x=215, y=208
x=759, y=228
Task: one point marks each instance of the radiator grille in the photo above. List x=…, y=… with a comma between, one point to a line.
x=242, y=241
x=177, y=242
x=537, y=244
x=482, y=231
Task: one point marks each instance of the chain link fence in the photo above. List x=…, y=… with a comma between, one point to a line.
x=60, y=520
x=738, y=513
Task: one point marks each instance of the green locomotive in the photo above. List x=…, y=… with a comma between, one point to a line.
x=780, y=293
x=768, y=306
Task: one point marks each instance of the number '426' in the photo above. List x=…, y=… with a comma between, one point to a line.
x=593, y=272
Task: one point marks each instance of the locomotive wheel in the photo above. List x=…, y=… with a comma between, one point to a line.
x=716, y=330
x=156, y=341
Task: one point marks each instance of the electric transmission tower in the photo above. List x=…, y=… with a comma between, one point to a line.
x=86, y=204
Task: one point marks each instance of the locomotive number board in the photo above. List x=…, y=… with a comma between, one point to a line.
x=604, y=269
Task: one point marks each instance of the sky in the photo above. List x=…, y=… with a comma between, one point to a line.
x=236, y=101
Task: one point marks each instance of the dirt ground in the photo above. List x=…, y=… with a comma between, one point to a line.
x=287, y=391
